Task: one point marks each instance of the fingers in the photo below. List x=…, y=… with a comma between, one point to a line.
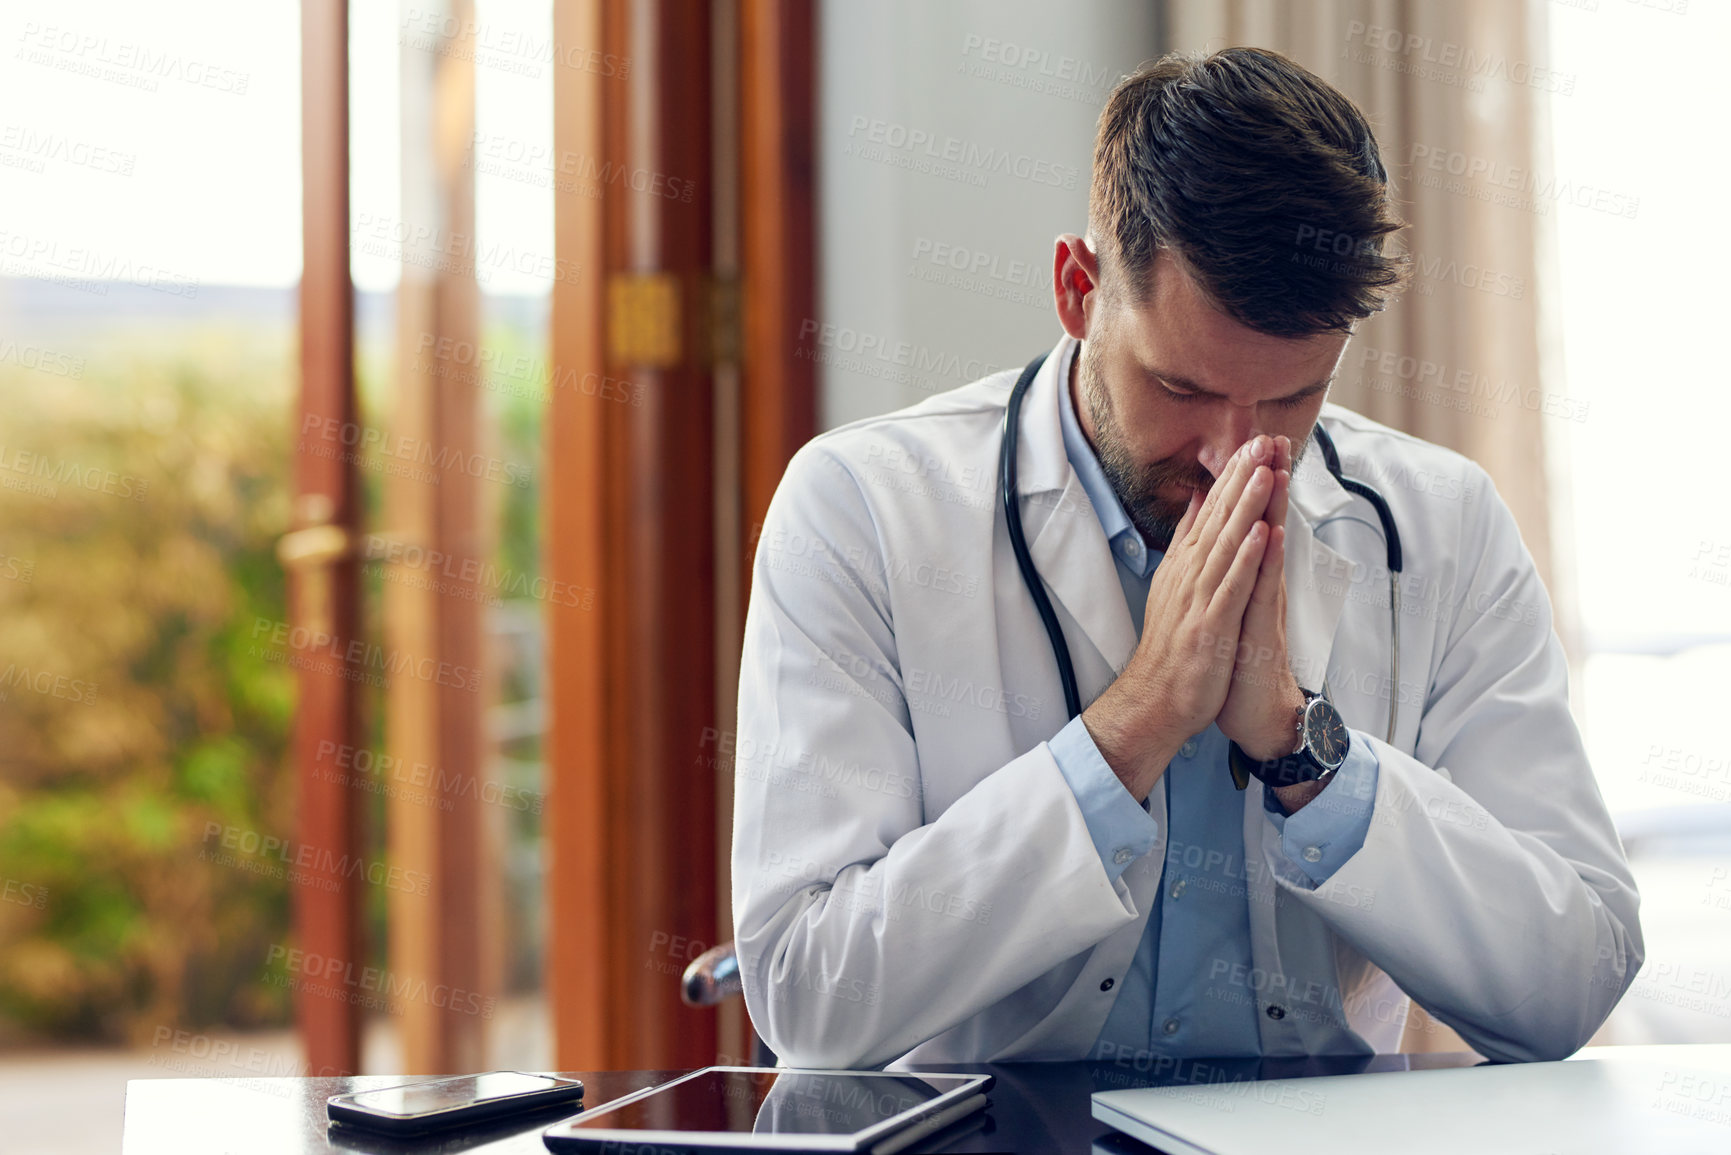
x=1276, y=512
x=1239, y=521
x=1191, y=511
x=1224, y=496
x=1217, y=493
x=1232, y=596
x=1269, y=575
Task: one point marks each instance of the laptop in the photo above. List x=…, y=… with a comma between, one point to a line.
x=1572, y=1107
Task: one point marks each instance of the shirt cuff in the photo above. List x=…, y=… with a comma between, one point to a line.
x=1330, y=828
x=1121, y=829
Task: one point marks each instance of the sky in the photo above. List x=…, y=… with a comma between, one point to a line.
x=166, y=137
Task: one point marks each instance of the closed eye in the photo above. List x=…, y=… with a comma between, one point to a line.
x=1178, y=396
x=1292, y=402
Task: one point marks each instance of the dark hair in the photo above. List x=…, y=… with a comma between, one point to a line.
x=1260, y=178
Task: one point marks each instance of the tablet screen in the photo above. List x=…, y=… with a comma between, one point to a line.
x=773, y=1101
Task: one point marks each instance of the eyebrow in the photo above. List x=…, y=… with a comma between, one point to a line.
x=1190, y=386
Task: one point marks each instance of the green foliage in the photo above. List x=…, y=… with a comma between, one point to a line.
x=139, y=508
x=141, y=722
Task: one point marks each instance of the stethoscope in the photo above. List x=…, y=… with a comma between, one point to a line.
x=1055, y=631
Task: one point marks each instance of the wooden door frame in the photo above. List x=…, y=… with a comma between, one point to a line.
x=635, y=833
x=319, y=553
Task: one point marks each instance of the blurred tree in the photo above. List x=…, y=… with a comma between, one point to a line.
x=145, y=717
x=139, y=721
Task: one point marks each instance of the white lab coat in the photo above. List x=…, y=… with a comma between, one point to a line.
x=912, y=876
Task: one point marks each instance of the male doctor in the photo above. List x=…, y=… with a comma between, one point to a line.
x=932, y=862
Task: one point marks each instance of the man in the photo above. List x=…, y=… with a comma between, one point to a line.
x=931, y=862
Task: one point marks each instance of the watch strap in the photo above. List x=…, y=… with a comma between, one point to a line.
x=1291, y=770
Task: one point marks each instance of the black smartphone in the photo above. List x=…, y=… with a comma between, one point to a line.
x=438, y=1103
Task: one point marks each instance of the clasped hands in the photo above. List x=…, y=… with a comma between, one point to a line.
x=1213, y=645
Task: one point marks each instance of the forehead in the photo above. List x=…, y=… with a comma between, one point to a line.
x=1178, y=331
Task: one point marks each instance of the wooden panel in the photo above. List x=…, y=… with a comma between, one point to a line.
x=631, y=822
x=681, y=549
x=433, y=630
x=778, y=106
x=631, y=510
x=579, y=460
x=778, y=259
x=733, y=1031
x=323, y=579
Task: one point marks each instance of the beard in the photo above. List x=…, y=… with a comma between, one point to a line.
x=1138, y=484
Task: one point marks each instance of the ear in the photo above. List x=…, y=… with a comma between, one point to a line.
x=1075, y=277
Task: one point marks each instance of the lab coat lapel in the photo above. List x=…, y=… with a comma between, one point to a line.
x=1066, y=539
x=1072, y=556
x=1316, y=575
x=1315, y=598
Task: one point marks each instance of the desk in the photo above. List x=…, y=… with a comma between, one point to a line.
x=1036, y=1107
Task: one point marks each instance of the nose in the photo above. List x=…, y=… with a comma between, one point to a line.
x=1234, y=426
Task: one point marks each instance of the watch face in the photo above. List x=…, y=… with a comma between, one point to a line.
x=1325, y=733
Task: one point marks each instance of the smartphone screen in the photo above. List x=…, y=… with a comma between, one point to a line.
x=444, y=1094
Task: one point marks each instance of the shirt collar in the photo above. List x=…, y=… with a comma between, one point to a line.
x=1127, y=544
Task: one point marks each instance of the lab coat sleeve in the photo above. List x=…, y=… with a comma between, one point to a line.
x=1502, y=901
x=865, y=926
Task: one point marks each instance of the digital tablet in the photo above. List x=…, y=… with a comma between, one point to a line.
x=779, y=1108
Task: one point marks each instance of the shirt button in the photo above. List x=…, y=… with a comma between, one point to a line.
x=1311, y=854
x=1133, y=547
x=1178, y=888
x=1107, y=985
x=1123, y=855
x=1276, y=1012
x=1188, y=749
x=1170, y=1026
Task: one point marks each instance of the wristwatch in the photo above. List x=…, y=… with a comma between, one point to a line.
x=1322, y=745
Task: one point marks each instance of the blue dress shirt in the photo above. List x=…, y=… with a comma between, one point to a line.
x=1198, y=932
